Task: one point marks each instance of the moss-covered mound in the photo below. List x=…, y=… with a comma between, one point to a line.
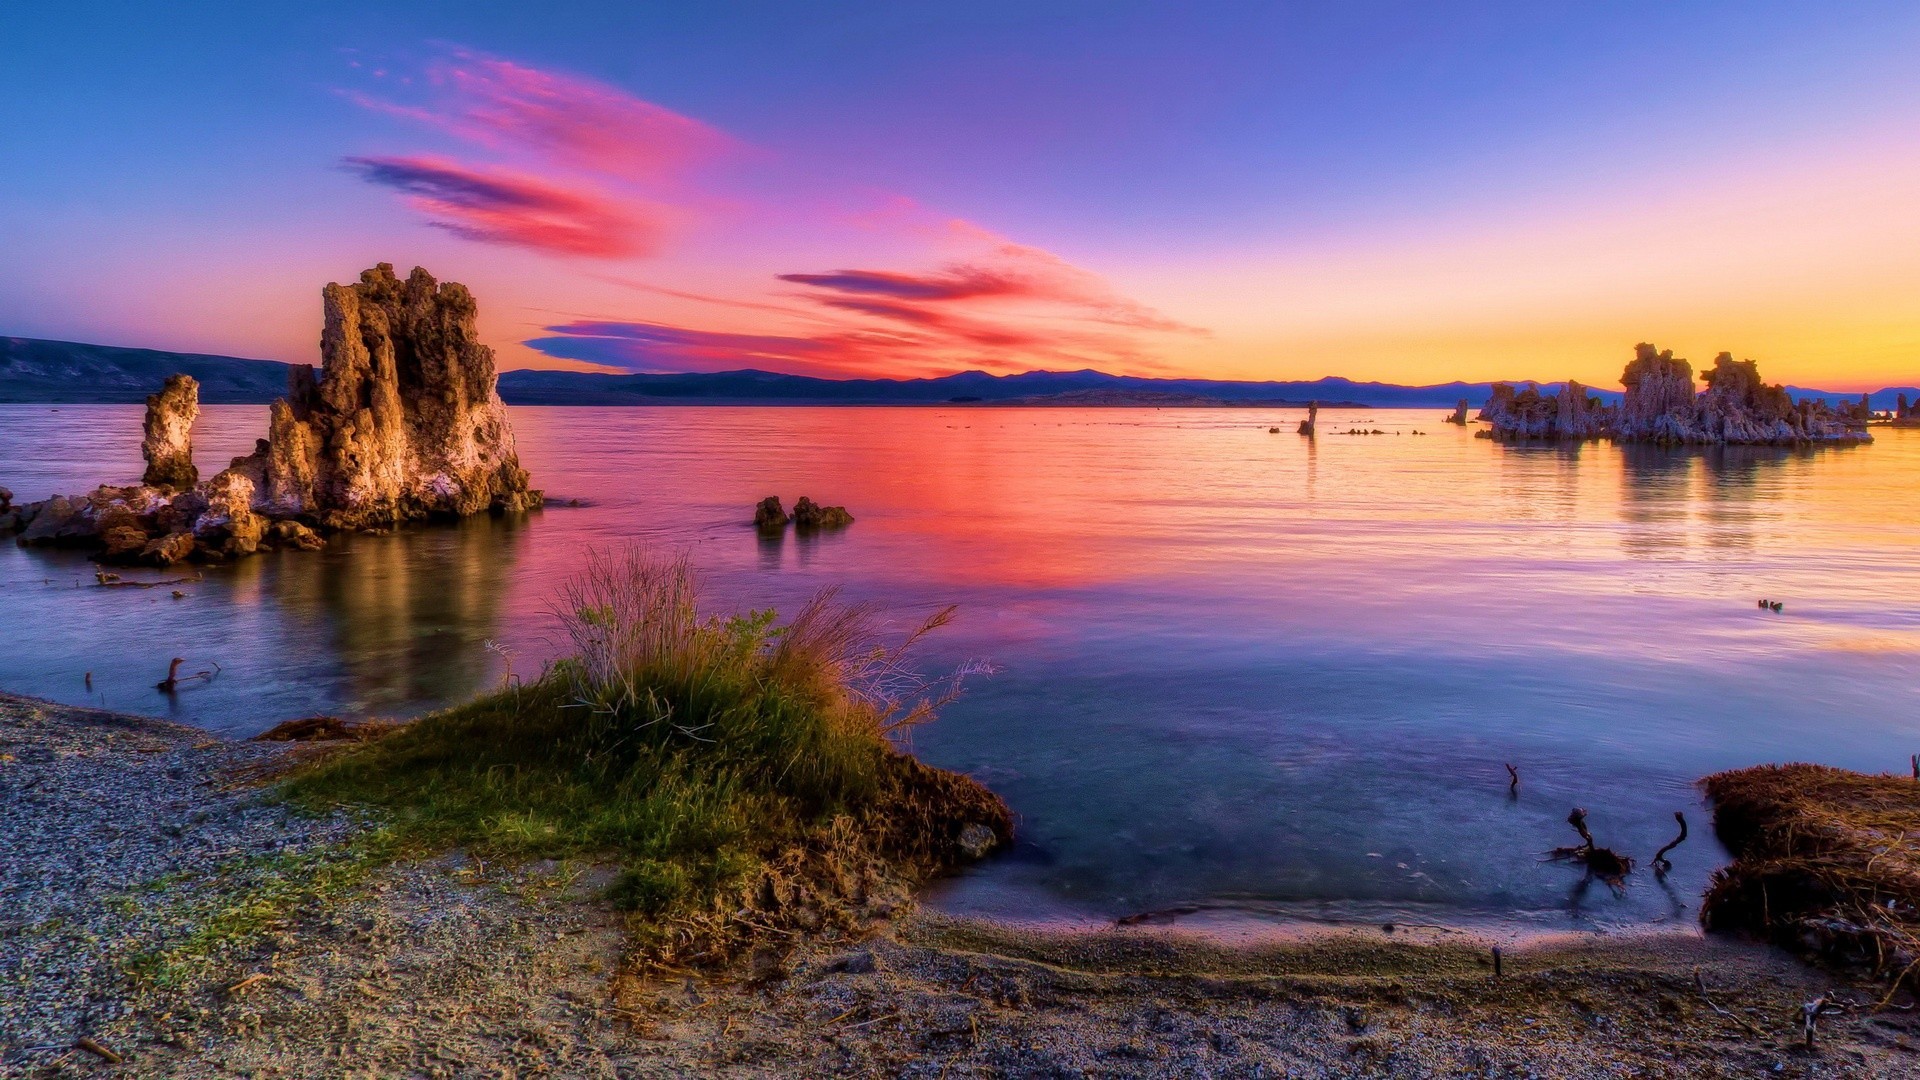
x=1825, y=860
x=742, y=773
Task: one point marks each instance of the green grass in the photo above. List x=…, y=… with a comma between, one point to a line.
x=718, y=761
x=254, y=895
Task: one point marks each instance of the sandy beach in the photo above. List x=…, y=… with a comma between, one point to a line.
x=167, y=912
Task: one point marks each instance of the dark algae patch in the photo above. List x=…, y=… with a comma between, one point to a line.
x=740, y=771
x=1825, y=860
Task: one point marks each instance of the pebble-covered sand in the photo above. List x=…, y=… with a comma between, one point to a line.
x=113, y=832
x=120, y=833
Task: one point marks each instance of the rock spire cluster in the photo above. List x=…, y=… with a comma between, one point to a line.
x=1662, y=405
x=402, y=423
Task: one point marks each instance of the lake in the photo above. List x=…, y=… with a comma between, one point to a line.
x=1266, y=677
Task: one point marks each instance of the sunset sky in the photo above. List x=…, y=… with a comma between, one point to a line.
x=1405, y=192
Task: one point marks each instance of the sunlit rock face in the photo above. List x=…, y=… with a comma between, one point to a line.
x=167, y=442
x=1572, y=413
x=403, y=422
x=1662, y=406
x=1659, y=404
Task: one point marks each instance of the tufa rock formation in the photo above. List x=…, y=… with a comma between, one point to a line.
x=769, y=515
x=403, y=423
x=1662, y=406
x=1312, y=421
x=808, y=514
x=1459, y=414
x=168, y=440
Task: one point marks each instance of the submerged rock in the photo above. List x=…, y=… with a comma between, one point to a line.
x=1662, y=406
x=168, y=441
x=292, y=534
x=808, y=514
x=167, y=550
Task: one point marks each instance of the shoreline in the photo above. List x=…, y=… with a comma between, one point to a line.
x=443, y=958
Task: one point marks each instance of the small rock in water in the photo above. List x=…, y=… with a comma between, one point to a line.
x=808, y=514
x=769, y=514
x=976, y=840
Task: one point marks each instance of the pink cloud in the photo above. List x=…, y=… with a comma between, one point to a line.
x=990, y=302
x=564, y=120
x=505, y=208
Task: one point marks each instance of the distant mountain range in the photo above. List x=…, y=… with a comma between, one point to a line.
x=62, y=372
x=33, y=370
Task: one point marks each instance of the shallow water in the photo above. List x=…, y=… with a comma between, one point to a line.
x=1255, y=674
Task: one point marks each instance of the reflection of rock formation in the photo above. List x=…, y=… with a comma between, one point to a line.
x=407, y=617
x=404, y=423
x=1709, y=497
x=1662, y=407
x=167, y=441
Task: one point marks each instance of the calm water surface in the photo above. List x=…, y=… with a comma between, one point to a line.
x=1256, y=674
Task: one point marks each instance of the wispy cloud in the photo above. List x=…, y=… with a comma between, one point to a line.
x=504, y=208
x=561, y=120
x=588, y=171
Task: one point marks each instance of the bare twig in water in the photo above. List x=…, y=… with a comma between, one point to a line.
x=1513, y=778
x=173, y=680
x=114, y=581
x=1660, y=864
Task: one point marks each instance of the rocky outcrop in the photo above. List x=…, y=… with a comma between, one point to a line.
x=808, y=515
x=402, y=423
x=1528, y=414
x=1312, y=422
x=1662, y=406
x=1459, y=414
x=770, y=515
x=168, y=440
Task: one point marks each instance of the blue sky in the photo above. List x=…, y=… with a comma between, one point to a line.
x=1380, y=190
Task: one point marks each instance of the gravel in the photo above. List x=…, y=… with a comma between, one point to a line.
x=114, y=832
x=119, y=835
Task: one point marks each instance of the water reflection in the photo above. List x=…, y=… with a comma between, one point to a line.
x=1239, y=670
x=408, y=615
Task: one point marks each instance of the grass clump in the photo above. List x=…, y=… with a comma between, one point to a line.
x=1825, y=860
x=741, y=771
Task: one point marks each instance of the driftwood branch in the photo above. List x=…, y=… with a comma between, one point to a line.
x=173, y=680
x=1810, y=1015
x=1513, y=778
x=1660, y=863
x=115, y=581
x=1700, y=982
x=1604, y=863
